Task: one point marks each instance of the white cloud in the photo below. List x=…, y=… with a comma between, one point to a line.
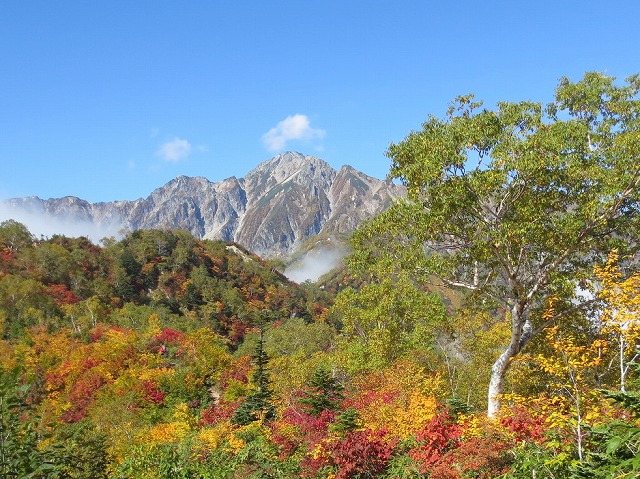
x=174, y=150
x=295, y=127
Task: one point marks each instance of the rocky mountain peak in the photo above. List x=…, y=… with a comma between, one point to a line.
x=290, y=167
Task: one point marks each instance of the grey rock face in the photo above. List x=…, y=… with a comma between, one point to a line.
x=272, y=211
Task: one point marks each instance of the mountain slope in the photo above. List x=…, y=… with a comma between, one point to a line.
x=272, y=211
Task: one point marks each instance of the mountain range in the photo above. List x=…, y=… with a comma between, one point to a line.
x=278, y=207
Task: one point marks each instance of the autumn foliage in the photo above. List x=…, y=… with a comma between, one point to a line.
x=141, y=353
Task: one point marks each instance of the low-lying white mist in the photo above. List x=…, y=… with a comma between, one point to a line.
x=42, y=225
x=314, y=264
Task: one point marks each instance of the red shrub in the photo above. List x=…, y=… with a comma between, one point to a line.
x=238, y=371
x=61, y=294
x=151, y=392
x=218, y=412
x=82, y=395
x=524, y=426
x=313, y=429
x=169, y=336
x=89, y=362
x=238, y=329
x=6, y=260
x=361, y=454
x=437, y=437
x=482, y=458
x=99, y=331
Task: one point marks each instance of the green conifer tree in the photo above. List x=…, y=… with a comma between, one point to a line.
x=258, y=404
x=324, y=394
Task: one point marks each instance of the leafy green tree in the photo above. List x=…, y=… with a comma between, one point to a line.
x=24, y=302
x=15, y=236
x=466, y=344
x=182, y=255
x=391, y=314
x=348, y=420
x=613, y=447
x=295, y=335
x=49, y=263
x=79, y=452
x=192, y=297
x=516, y=204
x=19, y=453
x=128, y=280
x=129, y=263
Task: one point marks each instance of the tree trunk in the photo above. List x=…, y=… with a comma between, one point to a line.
x=521, y=331
x=496, y=383
x=623, y=371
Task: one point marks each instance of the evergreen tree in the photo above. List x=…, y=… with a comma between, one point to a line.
x=325, y=392
x=347, y=421
x=127, y=278
x=258, y=404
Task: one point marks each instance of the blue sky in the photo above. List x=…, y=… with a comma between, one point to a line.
x=109, y=100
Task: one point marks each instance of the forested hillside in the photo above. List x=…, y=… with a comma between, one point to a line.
x=485, y=327
x=166, y=356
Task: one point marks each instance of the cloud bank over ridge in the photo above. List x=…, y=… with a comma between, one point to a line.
x=41, y=224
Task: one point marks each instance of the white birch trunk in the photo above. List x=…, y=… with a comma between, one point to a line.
x=520, y=336
x=496, y=383
x=622, y=369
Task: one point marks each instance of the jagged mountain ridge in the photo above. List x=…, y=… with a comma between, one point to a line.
x=272, y=211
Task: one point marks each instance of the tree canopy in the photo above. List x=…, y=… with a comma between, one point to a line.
x=515, y=204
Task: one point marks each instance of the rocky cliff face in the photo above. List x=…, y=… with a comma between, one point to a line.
x=272, y=211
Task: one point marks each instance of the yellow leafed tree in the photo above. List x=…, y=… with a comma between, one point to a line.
x=401, y=398
x=571, y=402
x=620, y=317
